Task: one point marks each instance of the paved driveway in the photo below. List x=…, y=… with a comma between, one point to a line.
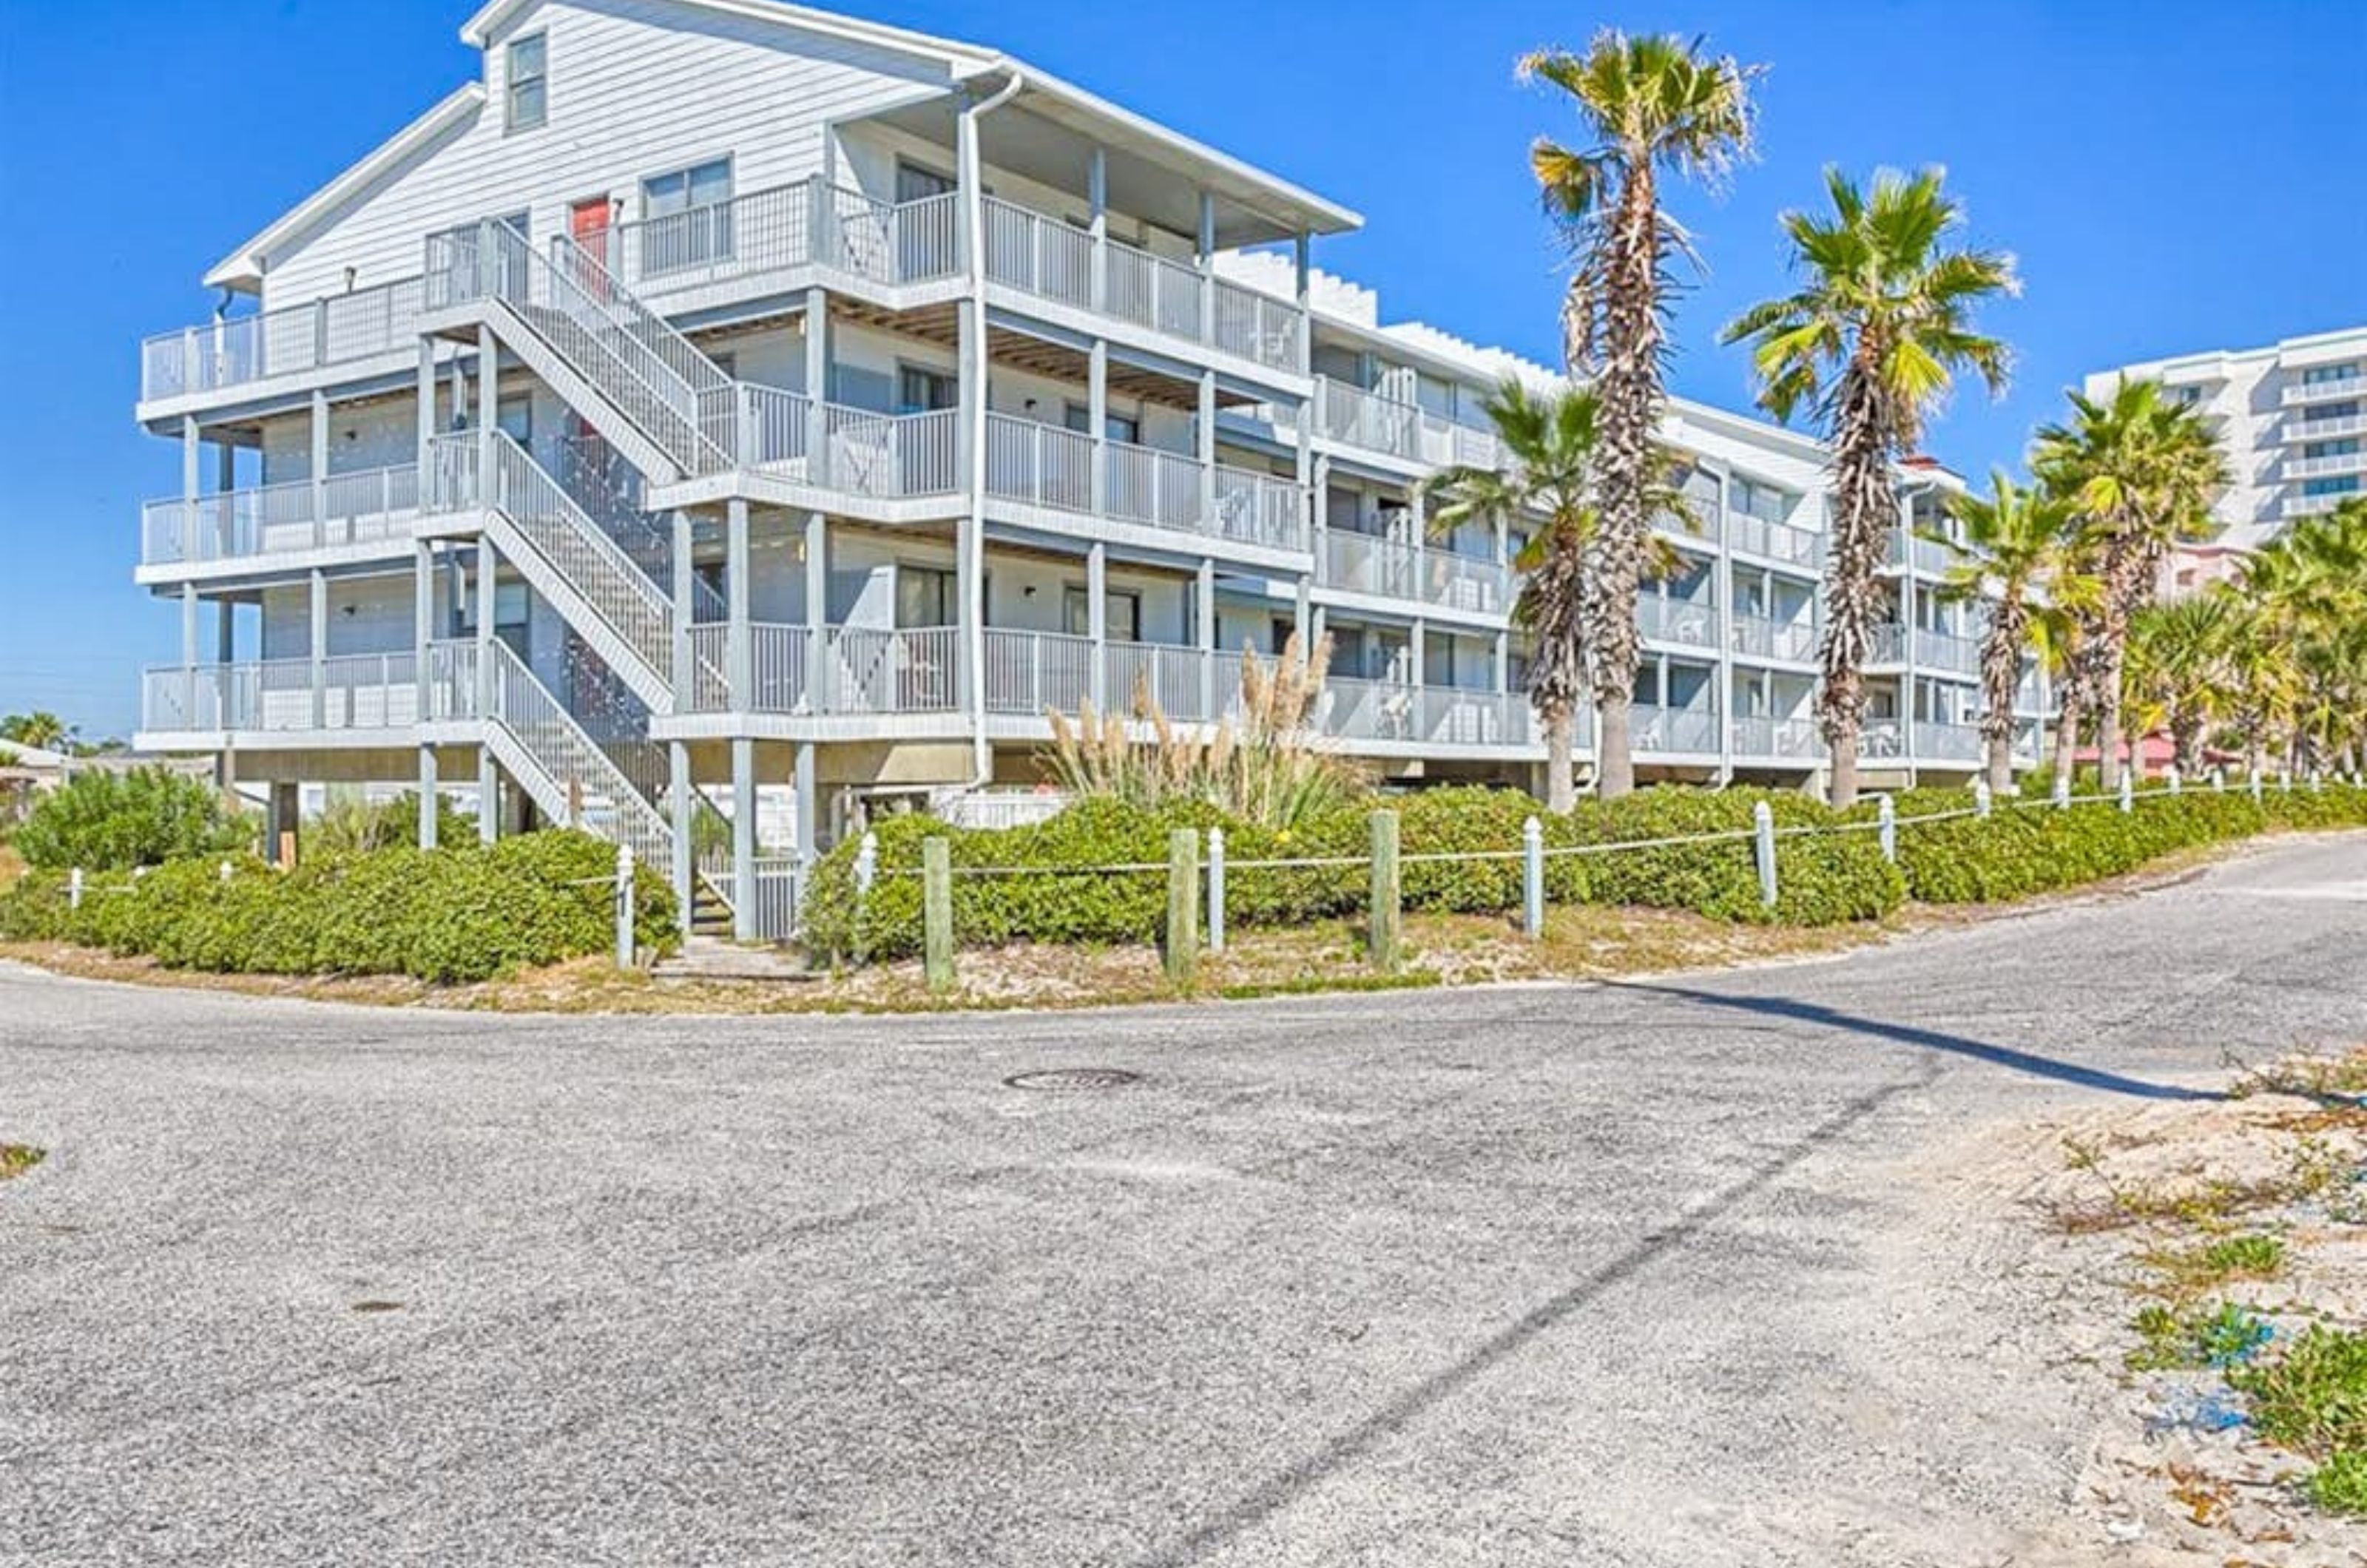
x=1630, y=1275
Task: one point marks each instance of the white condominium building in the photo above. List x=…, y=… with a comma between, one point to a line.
x=723, y=404
x=2293, y=417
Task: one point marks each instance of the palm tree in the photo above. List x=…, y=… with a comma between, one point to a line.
x=2013, y=542
x=2309, y=587
x=1870, y=344
x=1549, y=442
x=2142, y=471
x=1648, y=104
x=2178, y=666
x=40, y=730
x=2058, y=634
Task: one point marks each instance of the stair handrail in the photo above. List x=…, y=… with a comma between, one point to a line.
x=520, y=699
x=518, y=479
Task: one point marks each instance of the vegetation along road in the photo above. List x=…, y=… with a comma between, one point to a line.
x=1653, y=1273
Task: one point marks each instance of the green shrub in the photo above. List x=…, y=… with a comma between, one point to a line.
x=354, y=826
x=463, y=913
x=1820, y=879
x=111, y=821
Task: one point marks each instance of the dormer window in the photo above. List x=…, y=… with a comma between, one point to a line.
x=529, y=83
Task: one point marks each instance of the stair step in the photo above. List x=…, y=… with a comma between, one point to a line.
x=713, y=958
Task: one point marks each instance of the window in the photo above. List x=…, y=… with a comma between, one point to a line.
x=925, y=597
x=2347, y=484
x=917, y=182
x=2320, y=374
x=686, y=217
x=529, y=83
x=2342, y=448
x=1124, y=609
x=2326, y=410
x=1117, y=426
x=920, y=390
x=515, y=416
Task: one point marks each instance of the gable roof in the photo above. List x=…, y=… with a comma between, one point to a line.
x=242, y=269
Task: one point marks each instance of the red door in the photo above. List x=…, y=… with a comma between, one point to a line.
x=587, y=225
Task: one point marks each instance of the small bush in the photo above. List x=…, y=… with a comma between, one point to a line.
x=2339, y=1485
x=463, y=913
x=111, y=821
x=356, y=826
x=2314, y=1397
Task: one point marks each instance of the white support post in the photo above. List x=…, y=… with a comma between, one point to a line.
x=1886, y=828
x=624, y=905
x=428, y=798
x=685, y=590
x=1762, y=819
x=743, y=838
x=1215, y=890
x=74, y=888
x=1097, y=422
x=1207, y=257
x=808, y=776
x=489, y=783
x=817, y=387
x=2253, y=778
x=2129, y=789
x=866, y=865
x=317, y=586
x=1097, y=198
x=2062, y=793
x=488, y=407
x=1204, y=429
x=817, y=543
x=1097, y=622
x=1532, y=878
x=681, y=794
x=1982, y=802
x=1204, y=591
x=2219, y=780
x=320, y=431
x=738, y=663
x=2169, y=776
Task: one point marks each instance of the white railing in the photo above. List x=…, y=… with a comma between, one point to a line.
x=1260, y=509
x=1785, y=740
x=1772, y=540
x=766, y=231
x=1046, y=257
x=1044, y=465
x=352, y=508
x=912, y=242
x=1947, y=743
x=1677, y=732
x=2312, y=505
x=1886, y=643
x=1257, y=327
x=336, y=330
x=1169, y=674
x=1444, y=442
x=1031, y=673
x=994, y=808
x=1690, y=622
x=2333, y=463
x=890, y=456
x=1452, y=718
x=2323, y=429
x=1944, y=651
x=344, y=692
x=1356, y=417
x=870, y=670
x=585, y=555
x=1928, y=555
x=587, y=789
x=2353, y=386
x=1161, y=489
x=1763, y=636
x=779, y=880
x=1394, y=569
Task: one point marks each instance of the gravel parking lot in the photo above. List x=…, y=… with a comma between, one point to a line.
x=1641, y=1274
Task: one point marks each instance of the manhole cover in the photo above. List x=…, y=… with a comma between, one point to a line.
x=1069, y=1080
x=378, y=1306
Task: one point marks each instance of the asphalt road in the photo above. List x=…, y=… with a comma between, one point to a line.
x=1538, y=1275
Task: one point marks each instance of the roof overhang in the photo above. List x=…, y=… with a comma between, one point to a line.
x=243, y=269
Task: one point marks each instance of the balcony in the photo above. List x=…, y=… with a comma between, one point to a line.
x=347, y=693
x=1762, y=636
x=755, y=238
x=1393, y=569
x=1442, y=718
x=346, y=509
x=2299, y=392
x=340, y=330
x=2334, y=463
x=1886, y=643
x=1770, y=540
x=855, y=452
x=1942, y=650
x=1672, y=732
x=2318, y=505
x=1927, y=555
x=1051, y=467
x=1947, y=743
x=1763, y=737
x=1690, y=621
x=2295, y=431
x=1048, y=259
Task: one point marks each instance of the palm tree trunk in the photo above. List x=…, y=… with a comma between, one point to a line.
x=2000, y=763
x=1561, y=765
x=2066, y=744
x=1841, y=785
x=1630, y=394
x=1613, y=725
x=2108, y=744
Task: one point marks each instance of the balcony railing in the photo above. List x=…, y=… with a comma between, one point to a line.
x=1773, y=541
x=1928, y=555
x=1783, y=739
x=344, y=692
x=2353, y=386
x=346, y=509
x=1944, y=651
x=2337, y=425
x=884, y=457
x=2333, y=463
x=1763, y=636
x=1393, y=569
x=1051, y=467
x=795, y=225
x=1947, y=743
x=1356, y=417
x=1674, y=732
x=337, y=329
x=1690, y=622
x=2313, y=505
x=1886, y=643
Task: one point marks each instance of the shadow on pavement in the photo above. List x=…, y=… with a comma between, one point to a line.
x=1932, y=1040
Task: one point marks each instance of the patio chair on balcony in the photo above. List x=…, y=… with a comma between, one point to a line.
x=1882, y=740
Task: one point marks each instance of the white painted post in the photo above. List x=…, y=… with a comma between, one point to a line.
x=2253, y=777
x=1215, y=890
x=624, y=905
x=2128, y=789
x=1887, y=816
x=2284, y=780
x=2171, y=778
x=2219, y=780
x=1532, y=878
x=2062, y=795
x=224, y=869
x=2316, y=782
x=866, y=865
x=1981, y=804
x=1763, y=819
x=74, y=888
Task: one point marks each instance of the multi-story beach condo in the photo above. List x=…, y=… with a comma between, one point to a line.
x=2293, y=417
x=726, y=414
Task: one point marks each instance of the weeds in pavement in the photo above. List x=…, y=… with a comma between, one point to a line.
x=2339, y=1485
x=2340, y=1080
x=15, y=1159
x=2314, y=1397
x=2188, y=1270
x=2226, y=1336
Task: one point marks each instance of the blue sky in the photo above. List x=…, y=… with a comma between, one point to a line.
x=2173, y=177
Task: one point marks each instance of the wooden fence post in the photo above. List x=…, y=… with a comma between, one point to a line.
x=937, y=913
x=1183, y=946
x=1382, y=928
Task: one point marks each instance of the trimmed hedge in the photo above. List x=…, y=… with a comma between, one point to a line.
x=447, y=915
x=2028, y=846
x=1822, y=879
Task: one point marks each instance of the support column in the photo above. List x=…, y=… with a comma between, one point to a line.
x=743, y=838
x=225, y=631
x=282, y=818
x=817, y=543
x=684, y=590
x=809, y=806
x=1097, y=422
x=1301, y=271
x=1319, y=505
x=426, y=393
x=1418, y=644
x=1204, y=597
x=489, y=403
x=1097, y=621
x=320, y=431
x=970, y=555
x=1207, y=249
x=1207, y=445
x=427, y=796
x=189, y=659
x=679, y=796
x=489, y=783
x=738, y=654
x=1097, y=198
x=423, y=623
x=318, y=596
x=818, y=386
